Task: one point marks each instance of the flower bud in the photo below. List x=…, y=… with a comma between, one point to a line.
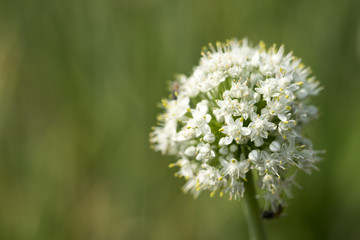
x=275, y=146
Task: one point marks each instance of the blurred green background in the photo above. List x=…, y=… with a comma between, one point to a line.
x=79, y=83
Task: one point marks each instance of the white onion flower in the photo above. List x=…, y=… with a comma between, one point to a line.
x=243, y=109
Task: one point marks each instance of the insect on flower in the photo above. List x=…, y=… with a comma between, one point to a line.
x=272, y=214
x=175, y=90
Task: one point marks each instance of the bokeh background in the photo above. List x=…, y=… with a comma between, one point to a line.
x=79, y=83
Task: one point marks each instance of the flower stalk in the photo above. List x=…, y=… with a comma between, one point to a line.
x=252, y=211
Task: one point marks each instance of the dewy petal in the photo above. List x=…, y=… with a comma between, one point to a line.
x=229, y=120
x=195, y=113
x=225, y=129
x=207, y=129
x=208, y=118
x=190, y=151
x=198, y=132
x=245, y=131
x=271, y=126
x=223, y=162
x=221, y=142
x=227, y=140
x=282, y=117
x=238, y=122
x=202, y=108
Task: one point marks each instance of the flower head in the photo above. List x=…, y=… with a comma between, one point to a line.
x=243, y=108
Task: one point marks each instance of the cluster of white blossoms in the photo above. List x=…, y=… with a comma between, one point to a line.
x=242, y=109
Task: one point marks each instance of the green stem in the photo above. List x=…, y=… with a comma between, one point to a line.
x=251, y=210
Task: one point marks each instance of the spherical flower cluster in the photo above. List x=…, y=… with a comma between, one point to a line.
x=242, y=109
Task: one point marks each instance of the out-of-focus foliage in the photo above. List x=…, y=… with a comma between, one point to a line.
x=79, y=83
